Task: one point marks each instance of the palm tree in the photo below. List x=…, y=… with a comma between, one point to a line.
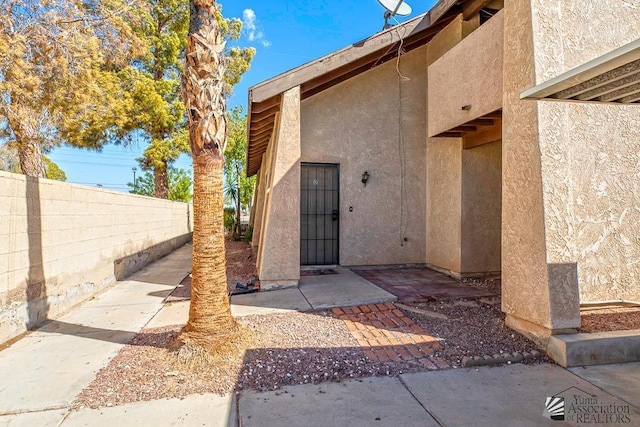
x=211, y=326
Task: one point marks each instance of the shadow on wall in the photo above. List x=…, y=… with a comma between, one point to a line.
x=36, y=290
x=125, y=266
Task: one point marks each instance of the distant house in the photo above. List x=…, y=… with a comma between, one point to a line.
x=416, y=146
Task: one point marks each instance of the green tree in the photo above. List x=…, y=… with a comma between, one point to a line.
x=160, y=112
x=238, y=188
x=58, y=75
x=159, y=109
x=180, y=185
x=144, y=185
x=52, y=170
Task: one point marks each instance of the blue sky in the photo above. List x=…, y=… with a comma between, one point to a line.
x=285, y=34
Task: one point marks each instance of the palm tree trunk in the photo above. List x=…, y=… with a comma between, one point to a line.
x=161, y=182
x=210, y=324
x=210, y=319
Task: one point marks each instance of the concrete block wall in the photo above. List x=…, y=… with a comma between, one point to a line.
x=61, y=243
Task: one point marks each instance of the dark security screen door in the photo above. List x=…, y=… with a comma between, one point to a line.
x=319, y=210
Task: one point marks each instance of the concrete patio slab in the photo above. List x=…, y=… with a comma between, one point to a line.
x=371, y=401
x=415, y=284
x=620, y=380
x=269, y=302
x=598, y=348
x=203, y=410
x=505, y=396
x=341, y=290
x=41, y=419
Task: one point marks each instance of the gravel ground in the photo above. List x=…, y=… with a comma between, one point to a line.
x=610, y=319
x=291, y=348
x=473, y=328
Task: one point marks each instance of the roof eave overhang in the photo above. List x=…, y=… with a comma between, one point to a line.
x=611, y=78
x=334, y=68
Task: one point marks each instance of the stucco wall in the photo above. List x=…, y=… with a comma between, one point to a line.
x=481, y=208
x=444, y=226
x=464, y=199
x=468, y=74
x=463, y=186
x=450, y=36
x=61, y=243
x=570, y=33
x=526, y=275
x=279, y=246
x=362, y=125
x=590, y=153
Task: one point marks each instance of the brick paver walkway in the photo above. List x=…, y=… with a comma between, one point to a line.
x=385, y=334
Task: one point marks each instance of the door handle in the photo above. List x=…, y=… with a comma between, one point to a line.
x=335, y=214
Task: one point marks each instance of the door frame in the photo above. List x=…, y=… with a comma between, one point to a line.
x=337, y=166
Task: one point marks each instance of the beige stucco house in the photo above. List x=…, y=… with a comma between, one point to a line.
x=441, y=142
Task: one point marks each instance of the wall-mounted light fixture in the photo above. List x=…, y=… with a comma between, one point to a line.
x=365, y=178
x=466, y=107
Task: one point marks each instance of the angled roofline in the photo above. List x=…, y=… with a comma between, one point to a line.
x=320, y=74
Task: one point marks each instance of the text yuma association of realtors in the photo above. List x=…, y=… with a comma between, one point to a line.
x=591, y=410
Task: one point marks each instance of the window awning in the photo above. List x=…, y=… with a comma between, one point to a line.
x=610, y=78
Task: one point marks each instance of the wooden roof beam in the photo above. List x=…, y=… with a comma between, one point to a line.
x=481, y=122
x=259, y=146
x=259, y=125
x=441, y=8
x=621, y=73
x=265, y=114
x=493, y=115
x=612, y=86
x=622, y=93
x=260, y=133
x=464, y=128
x=472, y=8
x=336, y=74
x=266, y=104
x=448, y=135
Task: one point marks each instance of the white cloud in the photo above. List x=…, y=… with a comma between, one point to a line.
x=251, y=29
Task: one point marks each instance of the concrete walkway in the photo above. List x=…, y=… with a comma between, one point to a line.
x=345, y=289
x=42, y=373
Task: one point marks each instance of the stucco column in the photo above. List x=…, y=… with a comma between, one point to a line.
x=259, y=204
x=279, y=250
x=539, y=294
x=254, y=200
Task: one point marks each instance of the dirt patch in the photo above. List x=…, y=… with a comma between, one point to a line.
x=241, y=262
x=610, y=319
